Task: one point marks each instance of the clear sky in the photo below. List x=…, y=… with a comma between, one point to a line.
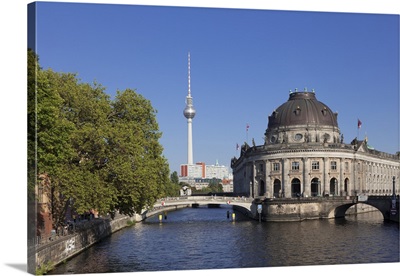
x=243, y=64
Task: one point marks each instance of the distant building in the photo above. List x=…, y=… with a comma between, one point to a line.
x=197, y=170
x=217, y=171
x=304, y=155
x=198, y=175
x=227, y=184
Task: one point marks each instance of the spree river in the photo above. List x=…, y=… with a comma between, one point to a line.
x=204, y=238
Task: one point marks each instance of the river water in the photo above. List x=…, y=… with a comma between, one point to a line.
x=204, y=238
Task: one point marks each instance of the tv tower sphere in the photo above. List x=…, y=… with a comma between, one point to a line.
x=189, y=111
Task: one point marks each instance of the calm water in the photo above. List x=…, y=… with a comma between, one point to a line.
x=204, y=238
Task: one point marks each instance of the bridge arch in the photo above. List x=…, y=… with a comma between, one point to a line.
x=244, y=205
x=340, y=210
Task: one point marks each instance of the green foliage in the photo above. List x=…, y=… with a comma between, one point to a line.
x=214, y=186
x=33, y=67
x=44, y=268
x=130, y=222
x=97, y=153
x=174, y=178
x=172, y=186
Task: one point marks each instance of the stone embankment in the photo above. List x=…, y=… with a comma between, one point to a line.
x=66, y=247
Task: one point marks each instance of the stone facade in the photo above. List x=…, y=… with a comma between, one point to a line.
x=304, y=155
x=69, y=246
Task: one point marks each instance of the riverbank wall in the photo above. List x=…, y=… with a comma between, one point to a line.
x=63, y=248
x=66, y=247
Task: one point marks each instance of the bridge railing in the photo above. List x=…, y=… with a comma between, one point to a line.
x=206, y=198
x=311, y=199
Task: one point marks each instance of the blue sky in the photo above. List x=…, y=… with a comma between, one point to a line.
x=243, y=64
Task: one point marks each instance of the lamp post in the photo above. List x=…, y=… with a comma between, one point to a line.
x=393, y=210
x=394, y=191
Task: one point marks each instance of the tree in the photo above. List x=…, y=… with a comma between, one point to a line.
x=215, y=186
x=172, y=188
x=88, y=152
x=137, y=168
x=174, y=178
x=33, y=68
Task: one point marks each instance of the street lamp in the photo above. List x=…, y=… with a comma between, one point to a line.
x=394, y=191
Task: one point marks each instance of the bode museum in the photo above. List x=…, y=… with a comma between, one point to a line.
x=304, y=156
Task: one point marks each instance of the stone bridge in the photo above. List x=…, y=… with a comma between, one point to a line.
x=383, y=203
x=282, y=209
x=318, y=207
x=242, y=204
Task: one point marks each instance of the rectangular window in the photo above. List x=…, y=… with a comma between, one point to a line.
x=261, y=167
x=346, y=166
x=295, y=166
x=276, y=167
x=315, y=165
x=333, y=165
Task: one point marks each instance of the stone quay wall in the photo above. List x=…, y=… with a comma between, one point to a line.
x=66, y=247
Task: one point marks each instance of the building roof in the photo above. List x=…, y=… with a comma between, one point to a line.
x=302, y=108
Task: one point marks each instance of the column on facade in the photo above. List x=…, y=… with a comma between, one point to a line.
x=250, y=179
x=325, y=184
x=354, y=174
x=285, y=178
x=247, y=179
x=341, y=179
x=254, y=174
x=268, y=188
x=306, y=187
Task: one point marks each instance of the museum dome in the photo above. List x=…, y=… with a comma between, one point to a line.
x=302, y=109
x=302, y=119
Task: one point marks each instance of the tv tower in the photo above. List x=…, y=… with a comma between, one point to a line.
x=189, y=113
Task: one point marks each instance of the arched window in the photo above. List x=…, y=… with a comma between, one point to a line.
x=315, y=187
x=277, y=188
x=333, y=186
x=262, y=188
x=346, y=186
x=296, y=187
